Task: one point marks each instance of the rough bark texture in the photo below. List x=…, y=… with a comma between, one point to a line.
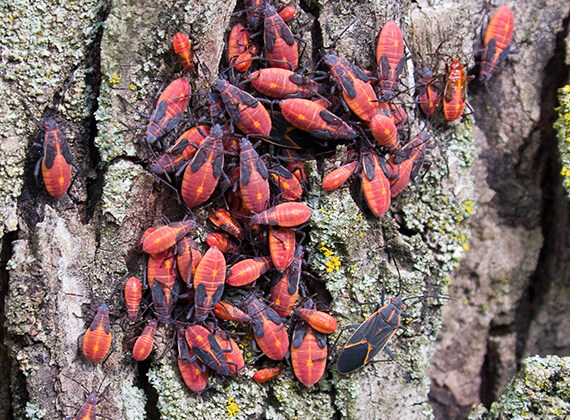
x=61, y=259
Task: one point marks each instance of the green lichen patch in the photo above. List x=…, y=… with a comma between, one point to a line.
x=119, y=181
x=134, y=401
x=562, y=127
x=541, y=390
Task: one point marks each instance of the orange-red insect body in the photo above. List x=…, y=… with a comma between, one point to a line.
x=193, y=371
x=357, y=91
x=253, y=178
x=56, y=161
x=240, y=48
x=227, y=312
x=209, y=281
x=144, y=343
x=268, y=330
x=203, y=173
x=497, y=39
x=97, y=338
x=289, y=186
x=315, y=119
x=284, y=292
x=166, y=236
x=390, y=59
x=266, y=374
x=385, y=132
x=180, y=152
x=245, y=111
x=247, y=271
x=280, y=45
x=455, y=92
x=308, y=354
x=285, y=215
x=222, y=242
x=133, y=294
x=429, y=97
x=188, y=257
x=183, y=48
x=406, y=171
x=280, y=83
x=281, y=247
x=339, y=176
x=88, y=410
x=287, y=13
x=224, y=220
x=206, y=348
x=319, y=321
x=375, y=184
x=169, y=109
x=232, y=353
x=160, y=267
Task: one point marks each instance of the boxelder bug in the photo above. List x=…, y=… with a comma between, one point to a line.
x=97, y=338
x=497, y=39
x=56, y=161
x=308, y=354
x=253, y=178
x=133, y=294
x=247, y=271
x=280, y=45
x=205, y=346
x=145, y=342
x=319, y=321
x=336, y=178
x=166, y=236
x=285, y=215
x=281, y=247
x=193, y=371
x=285, y=286
x=266, y=374
x=375, y=184
x=390, y=59
x=455, y=93
x=209, y=280
x=183, y=48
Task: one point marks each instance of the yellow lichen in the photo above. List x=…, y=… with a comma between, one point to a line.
x=114, y=79
x=232, y=408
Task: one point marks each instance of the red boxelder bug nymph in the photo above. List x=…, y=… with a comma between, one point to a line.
x=319, y=321
x=375, y=184
x=390, y=59
x=188, y=257
x=285, y=215
x=227, y=312
x=166, y=236
x=285, y=288
x=407, y=170
x=266, y=374
x=224, y=220
x=280, y=45
x=281, y=247
x=222, y=242
x=193, y=371
x=169, y=109
x=205, y=346
x=247, y=271
x=232, y=353
x=183, y=48
x=336, y=178
x=133, y=294
x=209, y=280
x=145, y=342
x=97, y=339
x=268, y=330
x=253, y=178
x=497, y=39
x=288, y=184
x=455, y=93
x=308, y=354
x=56, y=161
x=280, y=83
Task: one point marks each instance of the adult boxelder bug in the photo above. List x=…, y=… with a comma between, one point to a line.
x=145, y=342
x=280, y=83
x=390, y=59
x=247, y=271
x=375, y=184
x=336, y=178
x=97, y=339
x=183, y=48
x=497, y=39
x=253, y=178
x=203, y=172
x=209, y=280
x=280, y=45
x=284, y=215
x=266, y=374
x=245, y=111
x=315, y=119
x=268, y=330
x=169, y=109
x=308, y=354
x=357, y=91
x=206, y=348
x=281, y=247
x=133, y=294
x=193, y=371
x=56, y=161
x=166, y=236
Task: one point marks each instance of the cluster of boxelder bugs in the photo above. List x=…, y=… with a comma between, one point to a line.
x=254, y=258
